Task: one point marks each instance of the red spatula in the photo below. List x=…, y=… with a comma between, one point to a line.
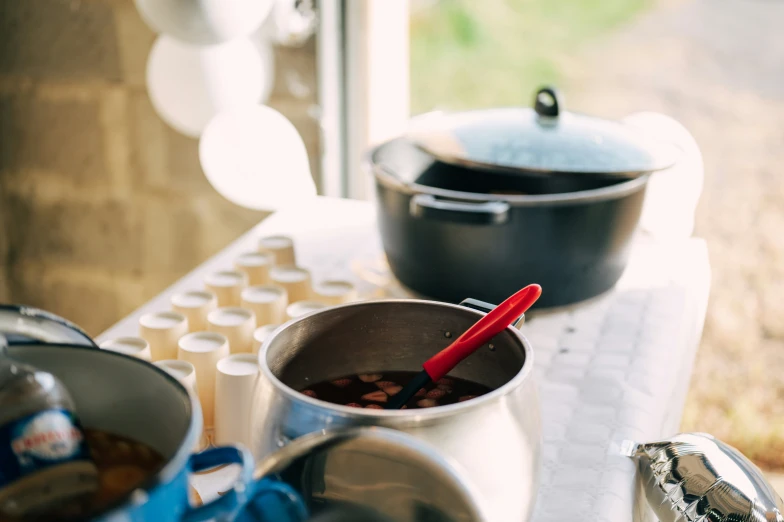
x=485, y=329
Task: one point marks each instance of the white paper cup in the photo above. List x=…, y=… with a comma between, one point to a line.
x=227, y=286
x=268, y=302
x=294, y=279
x=162, y=330
x=234, y=388
x=183, y=371
x=301, y=308
x=237, y=324
x=281, y=246
x=260, y=335
x=133, y=346
x=195, y=305
x=335, y=292
x=256, y=266
x=203, y=350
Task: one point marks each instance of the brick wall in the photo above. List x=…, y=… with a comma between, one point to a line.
x=101, y=204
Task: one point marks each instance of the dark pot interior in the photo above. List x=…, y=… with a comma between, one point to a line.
x=462, y=179
x=380, y=336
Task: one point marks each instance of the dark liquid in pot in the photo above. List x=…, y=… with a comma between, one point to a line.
x=373, y=390
x=123, y=465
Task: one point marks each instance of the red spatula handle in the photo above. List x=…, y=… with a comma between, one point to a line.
x=485, y=329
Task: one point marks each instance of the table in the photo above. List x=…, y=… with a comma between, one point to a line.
x=614, y=368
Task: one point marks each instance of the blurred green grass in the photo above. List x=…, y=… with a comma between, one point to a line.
x=484, y=53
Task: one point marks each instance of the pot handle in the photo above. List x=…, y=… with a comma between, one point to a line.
x=426, y=206
x=26, y=325
x=264, y=499
x=548, y=102
x=482, y=306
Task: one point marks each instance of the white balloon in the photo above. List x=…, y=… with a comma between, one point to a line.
x=188, y=85
x=672, y=194
x=267, y=56
x=255, y=158
x=204, y=21
x=287, y=25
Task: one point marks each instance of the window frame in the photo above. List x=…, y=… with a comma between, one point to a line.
x=364, y=89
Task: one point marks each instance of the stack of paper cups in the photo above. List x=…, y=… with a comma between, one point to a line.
x=203, y=350
x=294, y=279
x=236, y=324
x=261, y=334
x=227, y=286
x=335, y=292
x=281, y=246
x=133, y=346
x=195, y=305
x=301, y=308
x=162, y=330
x=268, y=302
x=234, y=388
x=256, y=266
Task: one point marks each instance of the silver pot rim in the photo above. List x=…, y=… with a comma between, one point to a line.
x=435, y=412
x=606, y=193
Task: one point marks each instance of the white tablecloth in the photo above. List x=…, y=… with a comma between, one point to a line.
x=615, y=368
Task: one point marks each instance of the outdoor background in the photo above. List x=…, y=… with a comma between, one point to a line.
x=102, y=205
x=715, y=65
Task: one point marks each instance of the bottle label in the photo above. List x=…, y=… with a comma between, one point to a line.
x=40, y=441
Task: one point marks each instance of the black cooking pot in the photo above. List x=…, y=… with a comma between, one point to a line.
x=483, y=203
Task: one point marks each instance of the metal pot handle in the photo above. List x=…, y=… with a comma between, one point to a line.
x=548, y=102
x=482, y=306
x=426, y=206
x=25, y=325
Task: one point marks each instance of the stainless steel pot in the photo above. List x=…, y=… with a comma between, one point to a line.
x=495, y=439
x=374, y=474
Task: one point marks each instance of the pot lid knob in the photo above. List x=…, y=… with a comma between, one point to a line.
x=548, y=102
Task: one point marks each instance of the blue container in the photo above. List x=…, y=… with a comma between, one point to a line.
x=130, y=397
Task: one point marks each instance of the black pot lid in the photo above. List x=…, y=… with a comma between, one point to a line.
x=541, y=139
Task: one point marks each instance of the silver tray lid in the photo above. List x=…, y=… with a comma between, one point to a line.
x=542, y=139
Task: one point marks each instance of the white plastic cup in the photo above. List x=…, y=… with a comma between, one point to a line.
x=260, y=335
x=234, y=388
x=236, y=324
x=296, y=281
x=133, y=346
x=195, y=305
x=203, y=350
x=227, y=286
x=335, y=292
x=281, y=246
x=301, y=308
x=162, y=330
x=268, y=302
x=256, y=265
